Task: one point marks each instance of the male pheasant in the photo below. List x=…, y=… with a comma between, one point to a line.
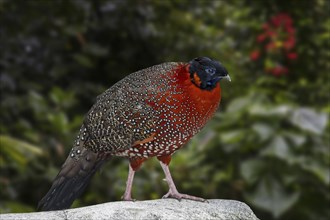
x=150, y=113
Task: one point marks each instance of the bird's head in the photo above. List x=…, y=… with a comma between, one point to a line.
x=206, y=73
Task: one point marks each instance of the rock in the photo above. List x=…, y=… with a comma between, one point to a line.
x=152, y=209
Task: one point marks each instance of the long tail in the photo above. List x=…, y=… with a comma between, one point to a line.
x=71, y=181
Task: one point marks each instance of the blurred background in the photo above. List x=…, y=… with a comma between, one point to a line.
x=267, y=146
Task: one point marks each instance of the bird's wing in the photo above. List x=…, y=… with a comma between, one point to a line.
x=121, y=116
x=118, y=120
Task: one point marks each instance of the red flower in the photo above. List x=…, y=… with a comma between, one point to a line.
x=277, y=41
x=265, y=26
x=290, y=30
x=289, y=43
x=255, y=55
x=270, y=46
x=279, y=70
x=292, y=56
x=261, y=38
x=276, y=21
x=281, y=19
x=271, y=33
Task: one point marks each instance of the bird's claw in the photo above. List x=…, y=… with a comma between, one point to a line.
x=127, y=198
x=180, y=196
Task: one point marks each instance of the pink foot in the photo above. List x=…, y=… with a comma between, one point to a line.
x=173, y=192
x=180, y=196
x=128, y=191
x=127, y=198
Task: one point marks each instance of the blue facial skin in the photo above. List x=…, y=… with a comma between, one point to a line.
x=209, y=71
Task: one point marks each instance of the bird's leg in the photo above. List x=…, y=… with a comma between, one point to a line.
x=128, y=192
x=173, y=192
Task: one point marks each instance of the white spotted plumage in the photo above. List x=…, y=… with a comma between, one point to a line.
x=139, y=107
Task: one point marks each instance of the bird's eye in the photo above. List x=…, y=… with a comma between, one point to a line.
x=210, y=71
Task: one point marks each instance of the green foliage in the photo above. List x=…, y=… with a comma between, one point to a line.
x=283, y=146
x=17, y=160
x=17, y=153
x=268, y=145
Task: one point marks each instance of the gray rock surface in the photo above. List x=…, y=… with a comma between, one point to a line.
x=152, y=209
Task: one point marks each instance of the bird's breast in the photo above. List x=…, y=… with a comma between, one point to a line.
x=182, y=109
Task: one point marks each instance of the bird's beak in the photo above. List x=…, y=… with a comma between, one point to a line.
x=218, y=78
x=227, y=77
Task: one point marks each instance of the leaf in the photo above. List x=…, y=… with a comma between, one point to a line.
x=322, y=172
x=61, y=97
x=262, y=110
x=21, y=146
x=95, y=49
x=296, y=139
x=263, y=130
x=251, y=169
x=232, y=136
x=37, y=102
x=59, y=122
x=271, y=196
x=316, y=168
x=269, y=64
x=309, y=120
x=17, y=151
x=83, y=60
x=278, y=147
x=238, y=104
x=15, y=207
